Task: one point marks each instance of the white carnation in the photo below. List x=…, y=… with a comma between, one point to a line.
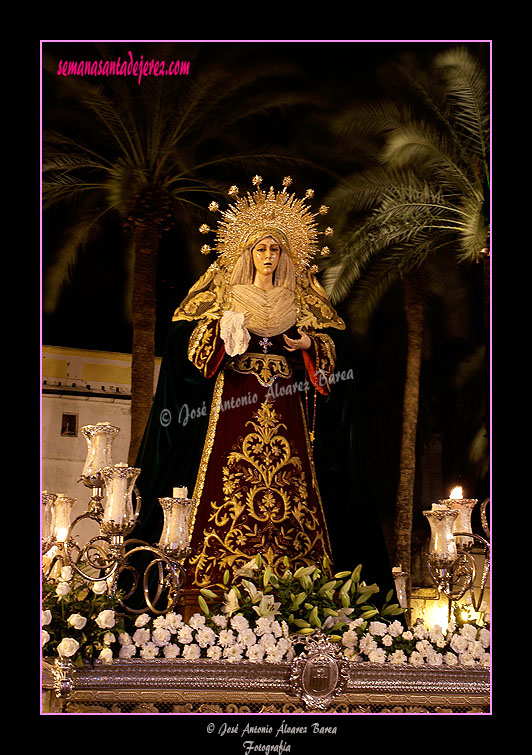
x=141, y=637
x=161, y=636
x=184, y=635
x=197, y=621
x=398, y=656
x=205, y=637
x=377, y=656
x=416, y=659
x=377, y=628
x=191, y=652
x=171, y=651
x=149, y=651
x=255, y=652
x=142, y=620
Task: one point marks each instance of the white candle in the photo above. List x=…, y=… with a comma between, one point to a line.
x=180, y=493
x=117, y=497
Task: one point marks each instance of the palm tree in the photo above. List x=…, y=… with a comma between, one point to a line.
x=143, y=154
x=423, y=192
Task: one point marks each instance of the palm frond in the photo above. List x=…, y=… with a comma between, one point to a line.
x=58, y=273
x=468, y=92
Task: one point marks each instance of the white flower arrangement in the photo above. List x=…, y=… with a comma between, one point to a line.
x=254, y=625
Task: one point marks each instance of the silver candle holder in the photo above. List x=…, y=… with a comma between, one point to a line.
x=450, y=560
x=126, y=564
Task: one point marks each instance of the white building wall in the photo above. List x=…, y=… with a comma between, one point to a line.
x=94, y=387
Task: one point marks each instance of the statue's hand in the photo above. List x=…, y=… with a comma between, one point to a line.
x=293, y=344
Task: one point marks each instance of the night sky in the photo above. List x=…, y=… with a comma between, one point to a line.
x=338, y=72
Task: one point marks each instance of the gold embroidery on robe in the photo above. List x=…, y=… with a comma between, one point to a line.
x=265, y=506
x=265, y=367
x=207, y=447
x=202, y=344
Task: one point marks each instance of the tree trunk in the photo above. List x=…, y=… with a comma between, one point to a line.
x=143, y=309
x=414, y=311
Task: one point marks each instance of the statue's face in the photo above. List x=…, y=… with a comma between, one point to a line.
x=266, y=253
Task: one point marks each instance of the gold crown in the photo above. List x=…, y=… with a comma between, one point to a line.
x=271, y=211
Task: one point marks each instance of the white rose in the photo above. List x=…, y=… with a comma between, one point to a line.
x=46, y=617
x=67, y=647
x=395, y=628
x=77, y=621
x=99, y=588
x=106, y=656
x=434, y=658
x=106, y=619
x=66, y=573
x=214, y=652
x=62, y=589
x=466, y=659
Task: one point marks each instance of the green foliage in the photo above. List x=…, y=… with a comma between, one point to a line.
x=307, y=599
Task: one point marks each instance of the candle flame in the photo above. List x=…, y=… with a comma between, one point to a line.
x=456, y=493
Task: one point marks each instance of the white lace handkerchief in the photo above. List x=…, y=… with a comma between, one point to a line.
x=234, y=333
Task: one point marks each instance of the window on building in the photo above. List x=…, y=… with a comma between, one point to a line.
x=69, y=425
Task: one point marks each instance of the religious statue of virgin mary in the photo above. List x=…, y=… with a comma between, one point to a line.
x=254, y=408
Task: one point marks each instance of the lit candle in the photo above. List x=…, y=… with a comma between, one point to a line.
x=61, y=516
x=464, y=506
x=180, y=493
